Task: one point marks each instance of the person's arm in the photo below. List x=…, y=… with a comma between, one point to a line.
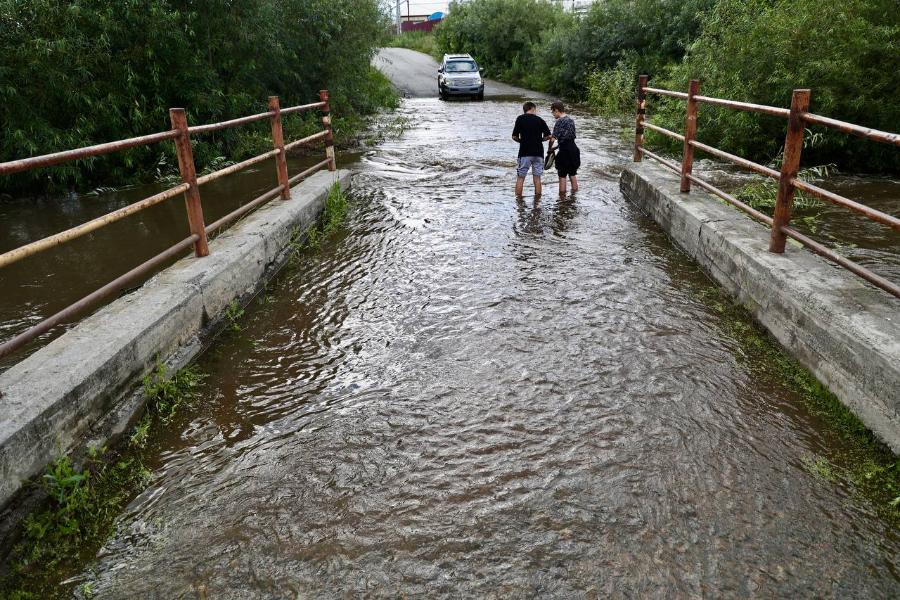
x=546, y=131
x=517, y=132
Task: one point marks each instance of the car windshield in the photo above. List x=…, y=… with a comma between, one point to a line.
x=461, y=66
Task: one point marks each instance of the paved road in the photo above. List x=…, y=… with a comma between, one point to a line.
x=415, y=75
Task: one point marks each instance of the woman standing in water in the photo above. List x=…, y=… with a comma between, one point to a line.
x=568, y=157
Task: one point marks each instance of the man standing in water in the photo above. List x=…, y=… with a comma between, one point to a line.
x=568, y=156
x=530, y=131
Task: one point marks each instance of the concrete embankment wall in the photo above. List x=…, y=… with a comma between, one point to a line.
x=84, y=386
x=844, y=331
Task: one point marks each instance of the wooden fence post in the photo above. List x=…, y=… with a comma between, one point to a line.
x=690, y=134
x=189, y=176
x=329, y=137
x=639, y=121
x=278, y=142
x=793, y=147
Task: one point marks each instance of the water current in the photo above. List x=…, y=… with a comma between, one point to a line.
x=468, y=395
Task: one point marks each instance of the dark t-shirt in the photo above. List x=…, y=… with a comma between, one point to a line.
x=531, y=129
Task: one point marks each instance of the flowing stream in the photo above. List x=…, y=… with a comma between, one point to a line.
x=468, y=395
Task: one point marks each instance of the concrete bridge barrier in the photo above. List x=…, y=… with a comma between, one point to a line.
x=85, y=386
x=847, y=333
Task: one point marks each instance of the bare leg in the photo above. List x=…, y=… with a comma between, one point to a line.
x=537, y=185
x=520, y=184
x=574, y=183
x=562, y=186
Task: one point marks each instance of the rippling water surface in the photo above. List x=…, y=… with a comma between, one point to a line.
x=466, y=395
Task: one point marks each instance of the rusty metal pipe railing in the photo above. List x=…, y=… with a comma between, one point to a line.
x=228, y=124
x=732, y=200
x=868, y=211
x=670, y=93
x=47, y=160
x=664, y=131
x=660, y=159
x=180, y=134
x=95, y=298
x=850, y=128
x=237, y=167
x=310, y=138
x=301, y=108
x=238, y=213
x=848, y=264
x=308, y=171
x=745, y=106
x=21, y=252
x=741, y=162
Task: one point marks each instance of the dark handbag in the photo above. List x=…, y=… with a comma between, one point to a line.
x=551, y=158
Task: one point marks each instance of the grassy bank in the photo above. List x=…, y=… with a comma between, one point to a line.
x=420, y=41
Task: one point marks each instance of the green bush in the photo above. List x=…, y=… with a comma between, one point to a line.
x=89, y=71
x=760, y=50
x=500, y=34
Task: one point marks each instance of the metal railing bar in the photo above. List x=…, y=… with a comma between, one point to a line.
x=663, y=131
x=308, y=171
x=848, y=264
x=742, y=162
x=306, y=140
x=37, y=246
x=96, y=297
x=732, y=200
x=670, y=164
x=670, y=93
x=871, y=213
x=236, y=167
x=236, y=214
x=745, y=106
x=232, y=123
x=46, y=160
x=302, y=107
x=850, y=128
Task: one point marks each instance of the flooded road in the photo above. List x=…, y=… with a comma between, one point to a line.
x=463, y=395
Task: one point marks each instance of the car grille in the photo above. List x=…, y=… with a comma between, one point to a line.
x=460, y=81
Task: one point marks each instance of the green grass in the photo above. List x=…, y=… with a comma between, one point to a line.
x=420, y=41
x=233, y=314
x=868, y=466
x=332, y=219
x=80, y=507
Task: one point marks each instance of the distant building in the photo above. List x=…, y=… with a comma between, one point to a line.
x=420, y=22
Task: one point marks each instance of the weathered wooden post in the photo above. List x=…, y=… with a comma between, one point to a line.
x=690, y=134
x=326, y=123
x=278, y=142
x=639, y=122
x=793, y=147
x=189, y=176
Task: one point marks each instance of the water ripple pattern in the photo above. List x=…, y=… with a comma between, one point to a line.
x=468, y=396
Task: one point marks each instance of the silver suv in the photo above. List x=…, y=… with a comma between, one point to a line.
x=459, y=75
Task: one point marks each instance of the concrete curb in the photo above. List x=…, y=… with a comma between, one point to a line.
x=844, y=331
x=78, y=386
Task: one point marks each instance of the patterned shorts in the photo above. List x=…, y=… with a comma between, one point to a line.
x=536, y=163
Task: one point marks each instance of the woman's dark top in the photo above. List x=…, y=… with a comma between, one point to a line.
x=564, y=130
x=568, y=156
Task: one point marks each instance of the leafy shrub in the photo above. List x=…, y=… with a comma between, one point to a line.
x=761, y=50
x=80, y=73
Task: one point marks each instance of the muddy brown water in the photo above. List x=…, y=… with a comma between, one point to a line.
x=463, y=395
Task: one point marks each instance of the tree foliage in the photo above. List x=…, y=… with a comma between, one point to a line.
x=758, y=51
x=88, y=71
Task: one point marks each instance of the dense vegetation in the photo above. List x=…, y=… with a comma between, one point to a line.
x=753, y=50
x=88, y=71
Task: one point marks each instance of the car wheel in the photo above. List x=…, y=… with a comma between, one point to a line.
x=441, y=93
x=480, y=96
